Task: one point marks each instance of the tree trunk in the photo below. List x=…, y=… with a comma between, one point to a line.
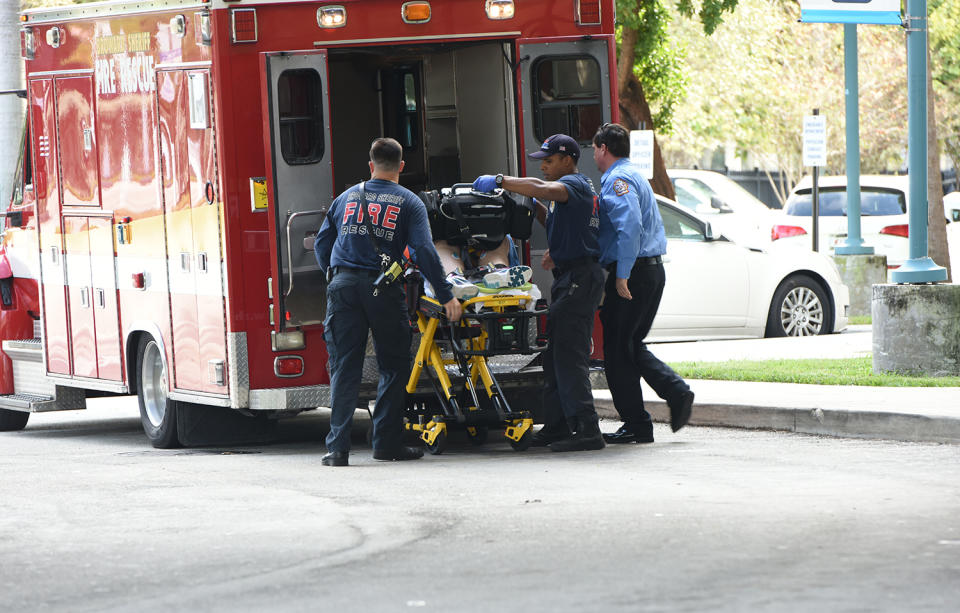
x=635, y=112
x=937, y=247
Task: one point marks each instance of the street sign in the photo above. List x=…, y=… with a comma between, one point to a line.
x=878, y=12
x=815, y=140
x=641, y=151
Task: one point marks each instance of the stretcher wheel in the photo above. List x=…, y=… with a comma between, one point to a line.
x=439, y=444
x=525, y=441
x=478, y=434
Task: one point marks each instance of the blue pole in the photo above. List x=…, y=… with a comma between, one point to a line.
x=853, y=244
x=919, y=268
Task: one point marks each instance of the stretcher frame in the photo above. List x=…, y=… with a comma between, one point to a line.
x=471, y=340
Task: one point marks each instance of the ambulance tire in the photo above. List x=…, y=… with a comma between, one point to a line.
x=13, y=420
x=158, y=413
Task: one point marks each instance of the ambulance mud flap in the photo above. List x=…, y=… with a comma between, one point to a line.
x=203, y=426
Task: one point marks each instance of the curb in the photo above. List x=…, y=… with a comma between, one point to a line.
x=817, y=421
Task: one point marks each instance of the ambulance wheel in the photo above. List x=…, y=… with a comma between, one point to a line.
x=158, y=413
x=13, y=420
x=439, y=444
x=477, y=435
x=525, y=441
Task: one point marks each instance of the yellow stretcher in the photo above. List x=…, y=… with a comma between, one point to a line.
x=500, y=327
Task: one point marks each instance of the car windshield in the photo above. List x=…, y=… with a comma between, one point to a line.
x=833, y=202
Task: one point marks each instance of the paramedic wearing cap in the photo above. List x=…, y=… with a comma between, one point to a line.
x=396, y=218
x=632, y=242
x=568, y=206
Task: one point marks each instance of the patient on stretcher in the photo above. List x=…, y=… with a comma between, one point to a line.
x=471, y=235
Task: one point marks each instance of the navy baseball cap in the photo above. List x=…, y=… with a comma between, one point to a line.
x=558, y=143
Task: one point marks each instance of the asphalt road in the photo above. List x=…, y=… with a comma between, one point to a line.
x=93, y=519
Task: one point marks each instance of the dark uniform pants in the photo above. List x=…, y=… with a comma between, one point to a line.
x=574, y=297
x=626, y=357
x=352, y=309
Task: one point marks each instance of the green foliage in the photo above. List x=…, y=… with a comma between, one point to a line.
x=658, y=59
x=944, y=29
x=850, y=371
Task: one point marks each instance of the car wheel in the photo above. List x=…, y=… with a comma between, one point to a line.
x=158, y=413
x=13, y=420
x=799, y=308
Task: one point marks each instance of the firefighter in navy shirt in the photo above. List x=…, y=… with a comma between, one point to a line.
x=568, y=206
x=397, y=218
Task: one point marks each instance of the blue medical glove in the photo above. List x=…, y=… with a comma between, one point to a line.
x=485, y=183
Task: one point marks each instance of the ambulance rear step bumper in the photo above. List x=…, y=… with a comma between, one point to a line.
x=34, y=391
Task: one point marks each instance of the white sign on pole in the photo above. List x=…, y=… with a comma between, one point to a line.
x=641, y=151
x=815, y=140
x=878, y=12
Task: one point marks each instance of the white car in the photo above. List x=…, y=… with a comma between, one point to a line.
x=884, y=202
x=719, y=289
x=730, y=209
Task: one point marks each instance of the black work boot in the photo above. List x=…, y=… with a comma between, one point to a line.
x=587, y=437
x=551, y=433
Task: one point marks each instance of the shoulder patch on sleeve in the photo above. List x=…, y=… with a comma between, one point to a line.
x=621, y=187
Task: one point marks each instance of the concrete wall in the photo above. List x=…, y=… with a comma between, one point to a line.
x=860, y=273
x=916, y=329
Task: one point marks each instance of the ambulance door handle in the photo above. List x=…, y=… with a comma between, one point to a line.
x=185, y=261
x=101, y=298
x=202, y=261
x=290, y=218
x=85, y=297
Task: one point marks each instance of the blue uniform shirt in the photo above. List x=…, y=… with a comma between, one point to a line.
x=630, y=223
x=398, y=218
x=572, y=225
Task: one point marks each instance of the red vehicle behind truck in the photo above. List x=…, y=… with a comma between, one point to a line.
x=177, y=158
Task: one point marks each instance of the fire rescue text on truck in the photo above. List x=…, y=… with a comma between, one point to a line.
x=177, y=157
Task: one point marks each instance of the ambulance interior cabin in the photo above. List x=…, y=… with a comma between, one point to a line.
x=451, y=106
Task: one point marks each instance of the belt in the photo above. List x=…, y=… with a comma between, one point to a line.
x=650, y=261
x=336, y=270
x=575, y=262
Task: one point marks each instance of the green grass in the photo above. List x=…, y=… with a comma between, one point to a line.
x=861, y=320
x=851, y=371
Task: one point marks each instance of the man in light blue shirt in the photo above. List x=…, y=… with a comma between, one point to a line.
x=632, y=243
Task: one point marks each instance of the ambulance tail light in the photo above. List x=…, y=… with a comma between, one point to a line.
x=332, y=16
x=415, y=12
x=243, y=25
x=28, y=44
x=588, y=12
x=288, y=366
x=778, y=232
x=500, y=9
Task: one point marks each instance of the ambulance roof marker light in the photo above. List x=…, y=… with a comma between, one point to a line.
x=415, y=12
x=500, y=9
x=588, y=12
x=333, y=16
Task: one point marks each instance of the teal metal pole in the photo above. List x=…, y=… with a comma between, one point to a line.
x=853, y=244
x=919, y=268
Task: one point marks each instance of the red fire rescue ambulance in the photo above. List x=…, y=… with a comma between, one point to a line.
x=178, y=155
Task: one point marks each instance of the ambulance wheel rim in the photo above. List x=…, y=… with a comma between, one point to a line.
x=154, y=380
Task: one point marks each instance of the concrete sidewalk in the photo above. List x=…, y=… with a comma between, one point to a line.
x=926, y=414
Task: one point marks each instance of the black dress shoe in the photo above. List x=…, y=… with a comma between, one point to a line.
x=626, y=434
x=680, y=410
x=336, y=458
x=550, y=434
x=587, y=437
x=399, y=454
